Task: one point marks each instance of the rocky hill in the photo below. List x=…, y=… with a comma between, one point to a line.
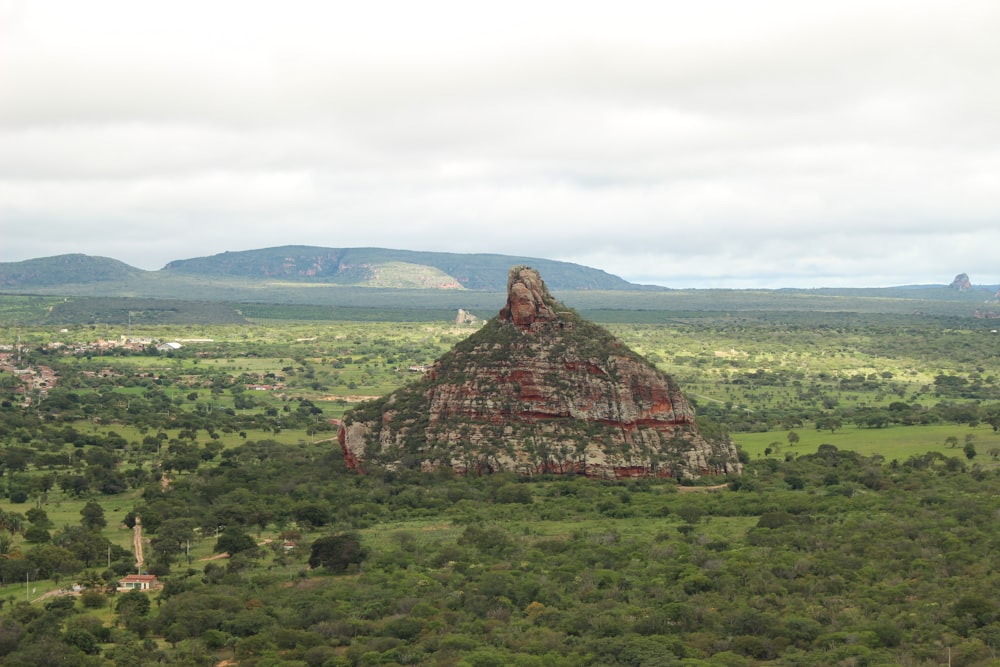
x=61, y=269
x=961, y=283
x=537, y=390
x=383, y=267
x=286, y=267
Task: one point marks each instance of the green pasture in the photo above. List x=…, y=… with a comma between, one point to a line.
x=896, y=442
x=290, y=436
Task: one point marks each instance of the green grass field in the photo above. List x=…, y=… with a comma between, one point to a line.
x=897, y=442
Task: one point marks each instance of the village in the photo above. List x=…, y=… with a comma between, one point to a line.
x=33, y=381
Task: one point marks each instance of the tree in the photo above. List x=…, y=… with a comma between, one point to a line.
x=86, y=545
x=172, y=538
x=132, y=607
x=234, y=541
x=312, y=513
x=337, y=552
x=691, y=514
x=514, y=493
x=38, y=517
x=970, y=450
x=831, y=423
x=36, y=535
x=93, y=516
x=993, y=418
x=11, y=522
x=51, y=559
x=793, y=438
x=10, y=634
x=83, y=640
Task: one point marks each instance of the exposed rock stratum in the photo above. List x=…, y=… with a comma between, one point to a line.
x=537, y=390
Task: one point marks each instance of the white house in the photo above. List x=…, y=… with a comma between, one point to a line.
x=138, y=582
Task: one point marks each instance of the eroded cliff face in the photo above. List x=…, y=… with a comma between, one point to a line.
x=537, y=390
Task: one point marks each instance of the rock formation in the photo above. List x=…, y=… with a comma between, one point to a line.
x=537, y=390
x=465, y=317
x=961, y=283
x=528, y=300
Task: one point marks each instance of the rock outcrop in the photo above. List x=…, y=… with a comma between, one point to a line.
x=528, y=299
x=537, y=390
x=465, y=317
x=961, y=283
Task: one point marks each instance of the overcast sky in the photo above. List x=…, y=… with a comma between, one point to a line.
x=711, y=143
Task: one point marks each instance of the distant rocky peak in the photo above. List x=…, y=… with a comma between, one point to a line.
x=528, y=299
x=961, y=283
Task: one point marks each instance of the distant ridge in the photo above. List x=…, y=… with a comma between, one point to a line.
x=63, y=269
x=347, y=267
x=367, y=266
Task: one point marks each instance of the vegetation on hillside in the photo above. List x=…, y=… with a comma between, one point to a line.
x=369, y=267
x=61, y=269
x=360, y=265
x=862, y=532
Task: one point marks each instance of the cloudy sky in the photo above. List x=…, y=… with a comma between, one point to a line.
x=714, y=143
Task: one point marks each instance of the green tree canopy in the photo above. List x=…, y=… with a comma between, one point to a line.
x=337, y=552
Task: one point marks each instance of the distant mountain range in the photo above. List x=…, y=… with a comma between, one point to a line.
x=306, y=282
x=356, y=267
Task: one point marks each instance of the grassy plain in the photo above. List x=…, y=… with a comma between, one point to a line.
x=570, y=565
x=894, y=443
x=753, y=364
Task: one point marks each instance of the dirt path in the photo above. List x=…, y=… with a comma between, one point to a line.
x=59, y=592
x=700, y=489
x=137, y=544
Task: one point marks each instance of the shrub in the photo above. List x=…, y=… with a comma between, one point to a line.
x=337, y=552
x=514, y=493
x=92, y=599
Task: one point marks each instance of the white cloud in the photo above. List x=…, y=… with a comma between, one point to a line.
x=722, y=142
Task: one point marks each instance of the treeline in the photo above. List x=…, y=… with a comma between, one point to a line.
x=831, y=558
x=896, y=413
